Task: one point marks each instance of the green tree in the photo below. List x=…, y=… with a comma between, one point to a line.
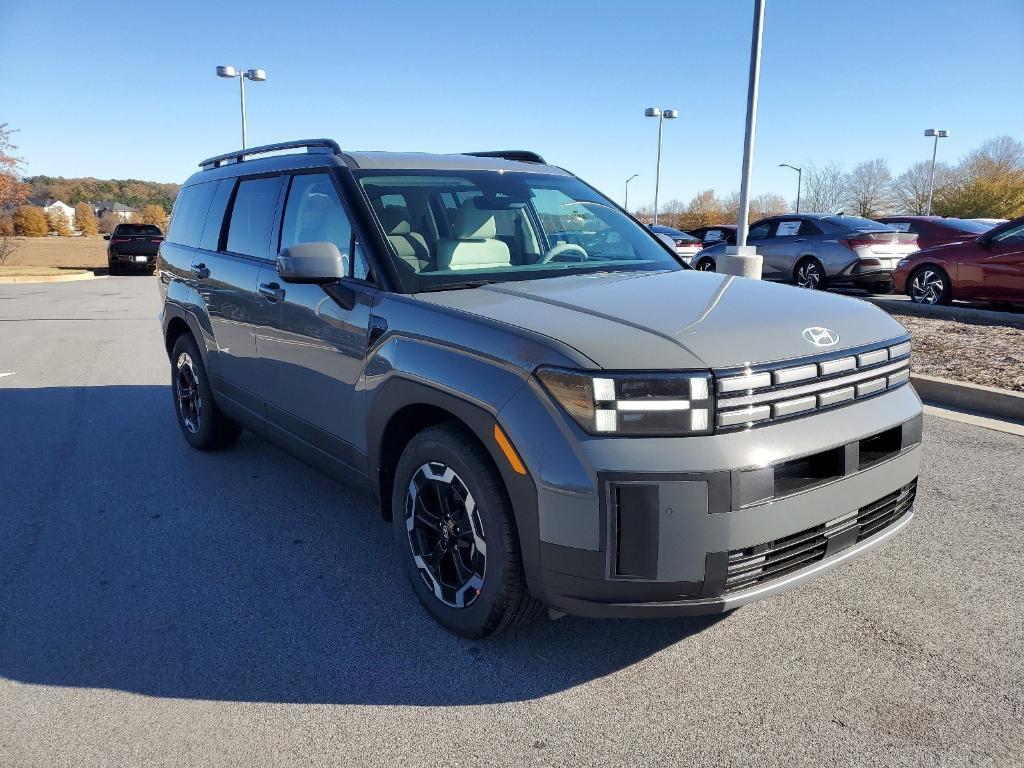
x=85, y=219
x=989, y=182
x=29, y=221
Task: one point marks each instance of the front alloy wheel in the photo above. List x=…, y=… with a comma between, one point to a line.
x=928, y=287
x=445, y=535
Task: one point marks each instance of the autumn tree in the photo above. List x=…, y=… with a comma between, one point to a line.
x=29, y=221
x=730, y=208
x=869, y=189
x=988, y=182
x=768, y=204
x=702, y=210
x=154, y=214
x=12, y=191
x=109, y=220
x=824, y=189
x=85, y=219
x=58, y=222
x=6, y=225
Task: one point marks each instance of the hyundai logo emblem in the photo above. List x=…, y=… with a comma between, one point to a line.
x=821, y=337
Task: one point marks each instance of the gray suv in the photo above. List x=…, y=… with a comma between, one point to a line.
x=548, y=406
x=816, y=250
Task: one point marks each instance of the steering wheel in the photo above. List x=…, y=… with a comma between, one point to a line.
x=564, y=248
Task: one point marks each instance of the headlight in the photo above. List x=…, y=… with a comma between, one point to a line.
x=902, y=263
x=633, y=403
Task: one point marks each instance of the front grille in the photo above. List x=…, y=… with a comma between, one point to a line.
x=772, y=560
x=768, y=393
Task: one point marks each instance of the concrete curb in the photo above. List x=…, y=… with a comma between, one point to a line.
x=987, y=401
x=21, y=279
x=958, y=312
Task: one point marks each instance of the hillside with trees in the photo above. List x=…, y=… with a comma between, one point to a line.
x=132, y=192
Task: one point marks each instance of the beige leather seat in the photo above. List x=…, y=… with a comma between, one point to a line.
x=474, y=245
x=410, y=246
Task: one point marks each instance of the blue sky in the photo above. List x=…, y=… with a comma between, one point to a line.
x=130, y=91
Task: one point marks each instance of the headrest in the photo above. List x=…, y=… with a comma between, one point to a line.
x=394, y=221
x=471, y=223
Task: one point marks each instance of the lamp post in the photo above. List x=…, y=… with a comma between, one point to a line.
x=626, y=204
x=938, y=134
x=256, y=75
x=799, y=181
x=748, y=138
x=662, y=115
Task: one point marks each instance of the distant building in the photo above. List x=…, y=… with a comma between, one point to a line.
x=48, y=204
x=122, y=211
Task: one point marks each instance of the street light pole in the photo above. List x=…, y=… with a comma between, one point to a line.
x=662, y=115
x=748, y=138
x=256, y=75
x=799, y=181
x=626, y=204
x=938, y=134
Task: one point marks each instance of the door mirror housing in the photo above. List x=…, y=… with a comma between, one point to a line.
x=318, y=262
x=985, y=241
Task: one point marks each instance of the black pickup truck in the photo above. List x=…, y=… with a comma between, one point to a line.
x=133, y=247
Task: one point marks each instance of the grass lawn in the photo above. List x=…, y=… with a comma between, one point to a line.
x=59, y=252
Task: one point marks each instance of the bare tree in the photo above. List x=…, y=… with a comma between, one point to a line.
x=910, y=190
x=768, y=204
x=869, y=187
x=730, y=208
x=824, y=189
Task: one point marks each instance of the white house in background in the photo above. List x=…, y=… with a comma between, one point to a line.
x=122, y=211
x=49, y=204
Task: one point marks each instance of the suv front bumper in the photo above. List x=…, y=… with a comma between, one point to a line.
x=703, y=525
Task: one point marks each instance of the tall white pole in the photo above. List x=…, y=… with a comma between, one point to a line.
x=657, y=173
x=931, y=175
x=748, y=139
x=241, y=90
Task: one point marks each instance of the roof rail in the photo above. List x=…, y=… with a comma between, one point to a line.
x=327, y=146
x=519, y=155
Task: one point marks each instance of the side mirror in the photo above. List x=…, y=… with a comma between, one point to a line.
x=667, y=241
x=106, y=237
x=984, y=241
x=318, y=262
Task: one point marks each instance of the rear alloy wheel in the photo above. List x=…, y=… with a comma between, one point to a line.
x=810, y=274
x=456, y=534
x=929, y=285
x=707, y=264
x=201, y=421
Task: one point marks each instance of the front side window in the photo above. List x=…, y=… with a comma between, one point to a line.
x=448, y=227
x=314, y=213
x=252, y=216
x=760, y=231
x=1011, y=235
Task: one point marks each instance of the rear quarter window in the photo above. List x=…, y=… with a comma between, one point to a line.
x=189, y=214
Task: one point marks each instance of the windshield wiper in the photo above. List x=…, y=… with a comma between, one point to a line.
x=456, y=286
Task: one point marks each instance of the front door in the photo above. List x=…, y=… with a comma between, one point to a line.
x=1002, y=269
x=313, y=353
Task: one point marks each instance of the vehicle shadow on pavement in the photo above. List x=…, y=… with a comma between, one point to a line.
x=129, y=561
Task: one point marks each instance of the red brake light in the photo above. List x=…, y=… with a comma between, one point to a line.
x=156, y=239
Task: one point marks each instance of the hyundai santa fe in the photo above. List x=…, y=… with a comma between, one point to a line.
x=550, y=408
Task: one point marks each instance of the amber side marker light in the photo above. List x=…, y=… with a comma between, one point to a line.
x=510, y=453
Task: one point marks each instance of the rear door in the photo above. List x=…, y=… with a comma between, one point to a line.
x=314, y=350
x=760, y=236
x=228, y=266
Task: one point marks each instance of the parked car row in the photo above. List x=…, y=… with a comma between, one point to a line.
x=932, y=259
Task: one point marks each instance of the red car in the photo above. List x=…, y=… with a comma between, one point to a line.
x=937, y=230
x=988, y=268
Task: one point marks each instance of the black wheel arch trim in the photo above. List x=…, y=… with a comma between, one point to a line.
x=400, y=393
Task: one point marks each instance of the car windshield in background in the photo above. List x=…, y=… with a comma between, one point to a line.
x=453, y=228
x=137, y=230
x=677, y=234
x=966, y=225
x=856, y=222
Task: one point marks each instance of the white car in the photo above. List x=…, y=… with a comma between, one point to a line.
x=687, y=246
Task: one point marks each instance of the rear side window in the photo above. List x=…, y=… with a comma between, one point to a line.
x=137, y=230
x=808, y=228
x=314, y=213
x=215, y=217
x=189, y=214
x=252, y=216
x=856, y=222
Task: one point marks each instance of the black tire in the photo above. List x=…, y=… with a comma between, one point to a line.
x=705, y=264
x=111, y=269
x=202, y=423
x=809, y=273
x=488, y=593
x=929, y=284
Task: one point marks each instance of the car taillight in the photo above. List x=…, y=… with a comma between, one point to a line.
x=156, y=239
x=862, y=239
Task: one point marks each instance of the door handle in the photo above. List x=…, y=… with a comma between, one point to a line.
x=201, y=271
x=271, y=291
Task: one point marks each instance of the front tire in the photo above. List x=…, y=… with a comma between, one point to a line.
x=810, y=273
x=456, y=535
x=202, y=423
x=929, y=285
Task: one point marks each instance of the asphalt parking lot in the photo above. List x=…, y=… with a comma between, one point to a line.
x=161, y=606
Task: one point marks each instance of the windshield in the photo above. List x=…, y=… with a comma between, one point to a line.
x=856, y=222
x=452, y=228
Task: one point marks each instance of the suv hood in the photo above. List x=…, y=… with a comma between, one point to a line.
x=670, y=320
